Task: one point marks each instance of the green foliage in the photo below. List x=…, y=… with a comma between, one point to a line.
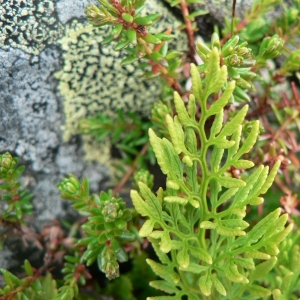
x=105, y=228
x=266, y=35
x=287, y=270
x=205, y=224
x=240, y=61
x=18, y=200
x=130, y=28
x=29, y=288
x=143, y=176
x=128, y=133
x=74, y=272
x=180, y=217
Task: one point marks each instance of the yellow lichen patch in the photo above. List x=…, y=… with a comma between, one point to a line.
x=92, y=80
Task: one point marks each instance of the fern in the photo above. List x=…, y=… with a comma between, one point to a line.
x=197, y=225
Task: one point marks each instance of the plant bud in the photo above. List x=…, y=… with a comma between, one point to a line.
x=7, y=162
x=244, y=52
x=143, y=176
x=215, y=41
x=70, y=185
x=230, y=45
x=158, y=113
x=188, y=161
x=112, y=270
x=172, y=185
x=93, y=11
x=109, y=264
x=112, y=209
x=95, y=15
x=233, y=60
x=275, y=43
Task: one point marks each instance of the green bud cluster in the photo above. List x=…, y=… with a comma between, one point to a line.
x=233, y=55
x=70, y=186
x=269, y=48
x=106, y=229
x=130, y=28
x=109, y=219
x=112, y=209
x=8, y=164
x=238, y=59
x=143, y=176
x=158, y=115
x=292, y=63
x=159, y=111
x=109, y=264
x=129, y=25
x=100, y=17
x=72, y=189
x=18, y=200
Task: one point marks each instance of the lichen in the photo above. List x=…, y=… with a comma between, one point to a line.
x=92, y=80
x=28, y=25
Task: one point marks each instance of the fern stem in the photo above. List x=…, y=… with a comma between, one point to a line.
x=189, y=29
x=205, y=174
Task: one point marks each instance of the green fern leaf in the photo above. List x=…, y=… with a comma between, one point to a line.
x=147, y=228
x=164, y=272
x=258, y=291
x=231, y=127
x=165, y=286
x=218, y=285
x=230, y=182
x=217, y=124
x=196, y=82
x=232, y=273
x=205, y=284
x=218, y=106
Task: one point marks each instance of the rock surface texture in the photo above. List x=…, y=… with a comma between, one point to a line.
x=53, y=72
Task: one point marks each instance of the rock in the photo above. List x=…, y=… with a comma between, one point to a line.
x=53, y=72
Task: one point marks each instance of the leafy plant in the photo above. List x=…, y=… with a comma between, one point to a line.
x=193, y=207
x=18, y=200
x=212, y=234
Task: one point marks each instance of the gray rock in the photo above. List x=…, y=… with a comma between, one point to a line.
x=53, y=72
x=30, y=128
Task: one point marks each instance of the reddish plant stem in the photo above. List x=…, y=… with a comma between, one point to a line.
x=295, y=93
x=131, y=170
x=189, y=30
x=232, y=17
x=238, y=28
x=263, y=109
x=156, y=67
x=173, y=82
x=283, y=126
